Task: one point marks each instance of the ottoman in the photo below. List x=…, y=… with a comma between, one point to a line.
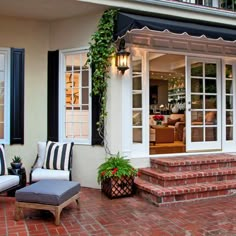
x=51, y=195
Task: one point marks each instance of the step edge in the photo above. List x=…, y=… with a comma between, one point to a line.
x=168, y=191
x=188, y=174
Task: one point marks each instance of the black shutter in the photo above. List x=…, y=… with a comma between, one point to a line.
x=53, y=91
x=96, y=108
x=17, y=96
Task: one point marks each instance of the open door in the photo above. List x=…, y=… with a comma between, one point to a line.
x=203, y=111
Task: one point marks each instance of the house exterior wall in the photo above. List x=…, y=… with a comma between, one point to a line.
x=38, y=37
x=34, y=37
x=76, y=33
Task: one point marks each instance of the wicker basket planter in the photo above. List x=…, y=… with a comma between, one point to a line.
x=118, y=187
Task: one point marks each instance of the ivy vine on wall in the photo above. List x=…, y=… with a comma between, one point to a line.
x=101, y=49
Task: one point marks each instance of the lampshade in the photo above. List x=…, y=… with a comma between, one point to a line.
x=122, y=57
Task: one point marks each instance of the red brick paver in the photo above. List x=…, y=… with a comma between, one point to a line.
x=132, y=216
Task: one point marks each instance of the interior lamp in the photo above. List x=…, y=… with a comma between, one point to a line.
x=122, y=57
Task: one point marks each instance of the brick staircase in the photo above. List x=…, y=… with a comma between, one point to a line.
x=187, y=178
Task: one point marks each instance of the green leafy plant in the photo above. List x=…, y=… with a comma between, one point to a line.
x=115, y=166
x=16, y=159
x=99, y=57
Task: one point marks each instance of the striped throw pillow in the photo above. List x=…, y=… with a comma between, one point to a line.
x=3, y=166
x=57, y=155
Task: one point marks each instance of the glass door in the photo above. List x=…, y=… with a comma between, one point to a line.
x=203, y=129
x=228, y=105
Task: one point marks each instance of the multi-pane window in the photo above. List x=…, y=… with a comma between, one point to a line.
x=75, y=97
x=137, y=100
x=4, y=94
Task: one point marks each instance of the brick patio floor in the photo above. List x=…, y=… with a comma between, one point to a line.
x=132, y=216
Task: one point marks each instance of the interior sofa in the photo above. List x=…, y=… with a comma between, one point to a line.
x=176, y=121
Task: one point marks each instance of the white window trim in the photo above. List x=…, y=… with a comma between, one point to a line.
x=6, y=139
x=61, y=103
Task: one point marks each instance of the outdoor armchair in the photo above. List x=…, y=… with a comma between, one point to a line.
x=53, y=161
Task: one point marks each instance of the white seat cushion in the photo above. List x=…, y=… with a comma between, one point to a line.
x=41, y=154
x=8, y=181
x=3, y=166
x=40, y=174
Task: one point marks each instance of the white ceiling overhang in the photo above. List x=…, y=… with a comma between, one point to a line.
x=47, y=10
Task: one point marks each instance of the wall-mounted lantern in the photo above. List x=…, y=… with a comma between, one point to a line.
x=122, y=57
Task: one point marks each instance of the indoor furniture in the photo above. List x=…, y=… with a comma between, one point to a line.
x=164, y=134
x=176, y=121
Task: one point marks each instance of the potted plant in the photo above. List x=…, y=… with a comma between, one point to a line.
x=16, y=162
x=158, y=119
x=116, y=176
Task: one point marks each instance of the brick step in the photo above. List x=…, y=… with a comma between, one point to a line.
x=160, y=196
x=194, y=162
x=168, y=179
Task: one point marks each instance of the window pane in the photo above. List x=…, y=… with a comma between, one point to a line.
x=137, y=135
x=210, y=86
x=1, y=131
x=1, y=114
x=197, y=69
x=2, y=76
x=229, y=87
x=85, y=95
x=211, y=118
x=210, y=70
x=197, y=117
x=75, y=96
x=229, y=133
x=229, y=117
x=137, y=83
x=229, y=102
x=197, y=101
x=76, y=77
x=76, y=113
x=196, y=86
x=85, y=81
x=211, y=134
x=137, y=118
x=197, y=135
x=1, y=97
x=228, y=71
x=2, y=62
x=137, y=100
x=211, y=102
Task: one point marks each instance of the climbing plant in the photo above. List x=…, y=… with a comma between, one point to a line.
x=101, y=49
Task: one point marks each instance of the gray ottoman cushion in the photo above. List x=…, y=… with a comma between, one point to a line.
x=50, y=192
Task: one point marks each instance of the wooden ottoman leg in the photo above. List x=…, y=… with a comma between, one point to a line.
x=77, y=201
x=18, y=212
x=57, y=215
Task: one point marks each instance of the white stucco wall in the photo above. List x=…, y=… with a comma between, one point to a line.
x=37, y=37
x=34, y=37
x=76, y=33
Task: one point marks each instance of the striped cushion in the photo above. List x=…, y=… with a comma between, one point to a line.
x=3, y=166
x=57, y=155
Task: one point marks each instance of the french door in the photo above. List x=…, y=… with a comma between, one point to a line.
x=203, y=108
